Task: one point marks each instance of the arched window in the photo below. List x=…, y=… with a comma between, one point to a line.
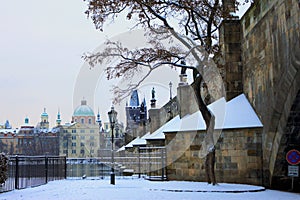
x=82, y=120
x=90, y=121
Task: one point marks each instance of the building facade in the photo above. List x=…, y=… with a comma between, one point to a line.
x=81, y=137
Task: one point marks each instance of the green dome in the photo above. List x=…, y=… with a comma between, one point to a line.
x=83, y=110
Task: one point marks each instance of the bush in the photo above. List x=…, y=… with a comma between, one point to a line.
x=3, y=168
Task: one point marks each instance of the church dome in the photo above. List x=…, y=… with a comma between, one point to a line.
x=83, y=110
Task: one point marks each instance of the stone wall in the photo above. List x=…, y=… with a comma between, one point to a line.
x=238, y=156
x=271, y=69
x=232, y=71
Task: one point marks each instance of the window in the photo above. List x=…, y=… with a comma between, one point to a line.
x=90, y=121
x=82, y=151
x=82, y=120
x=82, y=131
x=82, y=144
x=82, y=137
x=92, y=137
x=73, y=137
x=92, y=144
x=92, y=131
x=73, y=151
x=73, y=144
x=74, y=131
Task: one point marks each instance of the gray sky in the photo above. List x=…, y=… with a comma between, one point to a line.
x=41, y=45
x=40, y=56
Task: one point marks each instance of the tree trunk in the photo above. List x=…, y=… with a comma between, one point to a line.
x=209, y=119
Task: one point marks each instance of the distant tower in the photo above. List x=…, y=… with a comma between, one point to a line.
x=26, y=121
x=58, y=120
x=136, y=114
x=99, y=120
x=7, y=125
x=44, y=124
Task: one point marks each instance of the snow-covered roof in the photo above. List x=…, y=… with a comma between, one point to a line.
x=240, y=114
x=159, y=135
x=136, y=142
x=237, y=113
x=121, y=149
x=139, y=141
x=6, y=131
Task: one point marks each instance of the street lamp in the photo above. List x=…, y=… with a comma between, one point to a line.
x=112, y=115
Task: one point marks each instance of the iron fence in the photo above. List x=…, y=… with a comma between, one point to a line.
x=152, y=162
x=31, y=171
x=88, y=167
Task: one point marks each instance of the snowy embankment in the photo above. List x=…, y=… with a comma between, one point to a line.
x=143, y=189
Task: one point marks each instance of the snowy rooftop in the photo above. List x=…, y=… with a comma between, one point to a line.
x=236, y=113
x=8, y=131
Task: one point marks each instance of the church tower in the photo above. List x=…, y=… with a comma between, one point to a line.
x=44, y=124
x=58, y=120
x=136, y=116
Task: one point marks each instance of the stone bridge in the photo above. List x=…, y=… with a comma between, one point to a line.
x=262, y=59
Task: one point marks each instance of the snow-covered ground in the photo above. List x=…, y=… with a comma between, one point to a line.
x=142, y=189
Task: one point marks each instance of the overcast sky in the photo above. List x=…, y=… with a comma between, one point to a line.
x=42, y=42
x=41, y=45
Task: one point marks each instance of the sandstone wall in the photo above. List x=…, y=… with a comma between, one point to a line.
x=271, y=68
x=238, y=156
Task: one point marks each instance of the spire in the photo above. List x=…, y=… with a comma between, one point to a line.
x=134, y=99
x=98, y=118
x=7, y=125
x=58, y=120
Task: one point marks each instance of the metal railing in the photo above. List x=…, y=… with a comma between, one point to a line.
x=87, y=167
x=31, y=171
x=152, y=161
x=149, y=162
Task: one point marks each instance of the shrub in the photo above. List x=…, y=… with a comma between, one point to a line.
x=3, y=168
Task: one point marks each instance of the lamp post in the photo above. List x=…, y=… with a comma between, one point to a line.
x=112, y=115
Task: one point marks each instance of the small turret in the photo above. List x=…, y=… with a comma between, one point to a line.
x=58, y=120
x=44, y=124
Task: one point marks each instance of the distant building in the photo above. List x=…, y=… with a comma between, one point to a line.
x=39, y=140
x=82, y=137
x=8, y=140
x=136, y=117
x=28, y=139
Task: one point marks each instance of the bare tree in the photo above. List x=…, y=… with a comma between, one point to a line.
x=192, y=23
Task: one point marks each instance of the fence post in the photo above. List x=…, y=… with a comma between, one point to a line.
x=65, y=160
x=46, y=169
x=162, y=164
x=139, y=157
x=17, y=173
